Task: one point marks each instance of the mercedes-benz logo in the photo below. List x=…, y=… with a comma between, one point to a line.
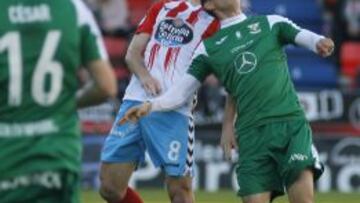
x=245, y=62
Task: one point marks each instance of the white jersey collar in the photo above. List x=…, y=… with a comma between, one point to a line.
x=233, y=20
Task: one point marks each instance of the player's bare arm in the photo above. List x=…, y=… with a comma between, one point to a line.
x=228, y=140
x=173, y=98
x=135, y=61
x=102, y=86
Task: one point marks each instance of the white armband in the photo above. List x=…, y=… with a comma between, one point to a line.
x=308, y=39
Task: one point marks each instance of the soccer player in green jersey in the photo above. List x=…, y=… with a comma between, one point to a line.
x=273, y=137
x=43, y=44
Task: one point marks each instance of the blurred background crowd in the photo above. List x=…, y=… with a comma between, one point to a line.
x=339, y=19
x=329, y=90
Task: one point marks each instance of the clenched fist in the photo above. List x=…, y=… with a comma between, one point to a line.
x=325, y=47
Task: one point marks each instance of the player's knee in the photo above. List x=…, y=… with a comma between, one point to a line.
x=257, y=198
x=302, y=190
x=110, y=193
x=254, y=200
x=303, y=199
x=180, y=190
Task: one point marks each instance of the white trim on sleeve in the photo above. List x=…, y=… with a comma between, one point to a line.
x=85, y=17
x=308, y=39
x=274, y=19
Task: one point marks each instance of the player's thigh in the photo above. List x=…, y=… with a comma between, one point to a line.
x=302, y=190
x=115, y=176
x=256, y=171
x=169, y=138
x=257, y=198
x=43, y=187
x=300, y=153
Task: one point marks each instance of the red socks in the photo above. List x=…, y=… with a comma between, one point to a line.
x=131, y=197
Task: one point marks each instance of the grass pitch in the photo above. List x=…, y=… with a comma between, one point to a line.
x=226, y=196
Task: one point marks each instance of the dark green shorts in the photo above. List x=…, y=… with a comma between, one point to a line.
x=272, y=156
x=41, y=187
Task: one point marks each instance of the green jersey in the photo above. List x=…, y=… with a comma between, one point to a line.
x=247, y=56
x=42, y=45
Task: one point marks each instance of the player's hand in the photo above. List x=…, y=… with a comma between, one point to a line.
x=325, y=47
x=135, y=113
x=228, y=141
x=151, y=85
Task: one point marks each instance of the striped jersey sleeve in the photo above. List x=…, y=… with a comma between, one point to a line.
x=146, y=25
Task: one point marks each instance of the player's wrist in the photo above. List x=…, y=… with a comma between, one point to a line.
x=148, y=106
x=145, y=76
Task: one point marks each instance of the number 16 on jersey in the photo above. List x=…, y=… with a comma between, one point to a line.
x=11, y=42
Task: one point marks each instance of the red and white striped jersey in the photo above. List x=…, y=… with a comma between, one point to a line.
x=176, y=28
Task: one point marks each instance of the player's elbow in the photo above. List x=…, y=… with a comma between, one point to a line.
x=110, y=91
x=133, y=56
x=130, y=57
x=104, y=78
x=109, y=88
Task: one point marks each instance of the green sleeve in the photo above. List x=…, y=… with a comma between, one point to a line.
x=92, y=46
x=284, y=28
x=199, y=67
x=91, y=43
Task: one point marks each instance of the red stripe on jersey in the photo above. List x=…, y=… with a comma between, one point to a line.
x=194, y=17
x=193, y=52
x=180, y=8
x=172, y=14
x=147, y=23
x=212, y=28
x=176, y=55
x=153, y=53
x=169, y=55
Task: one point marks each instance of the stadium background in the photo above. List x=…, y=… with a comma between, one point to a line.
x=329, y=90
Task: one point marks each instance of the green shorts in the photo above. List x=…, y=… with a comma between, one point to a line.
x=41, y=187
x=272, y=156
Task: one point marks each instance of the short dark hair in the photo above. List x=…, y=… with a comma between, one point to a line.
x=203, y=2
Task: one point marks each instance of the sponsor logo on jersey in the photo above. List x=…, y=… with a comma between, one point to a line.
x=47, y=179
x=246, y=62
x=122, y=131
x=298, y=157
x=221, y=41
x=254, y=28
x=31, y=129
x=174, y=33
x=241, y=47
